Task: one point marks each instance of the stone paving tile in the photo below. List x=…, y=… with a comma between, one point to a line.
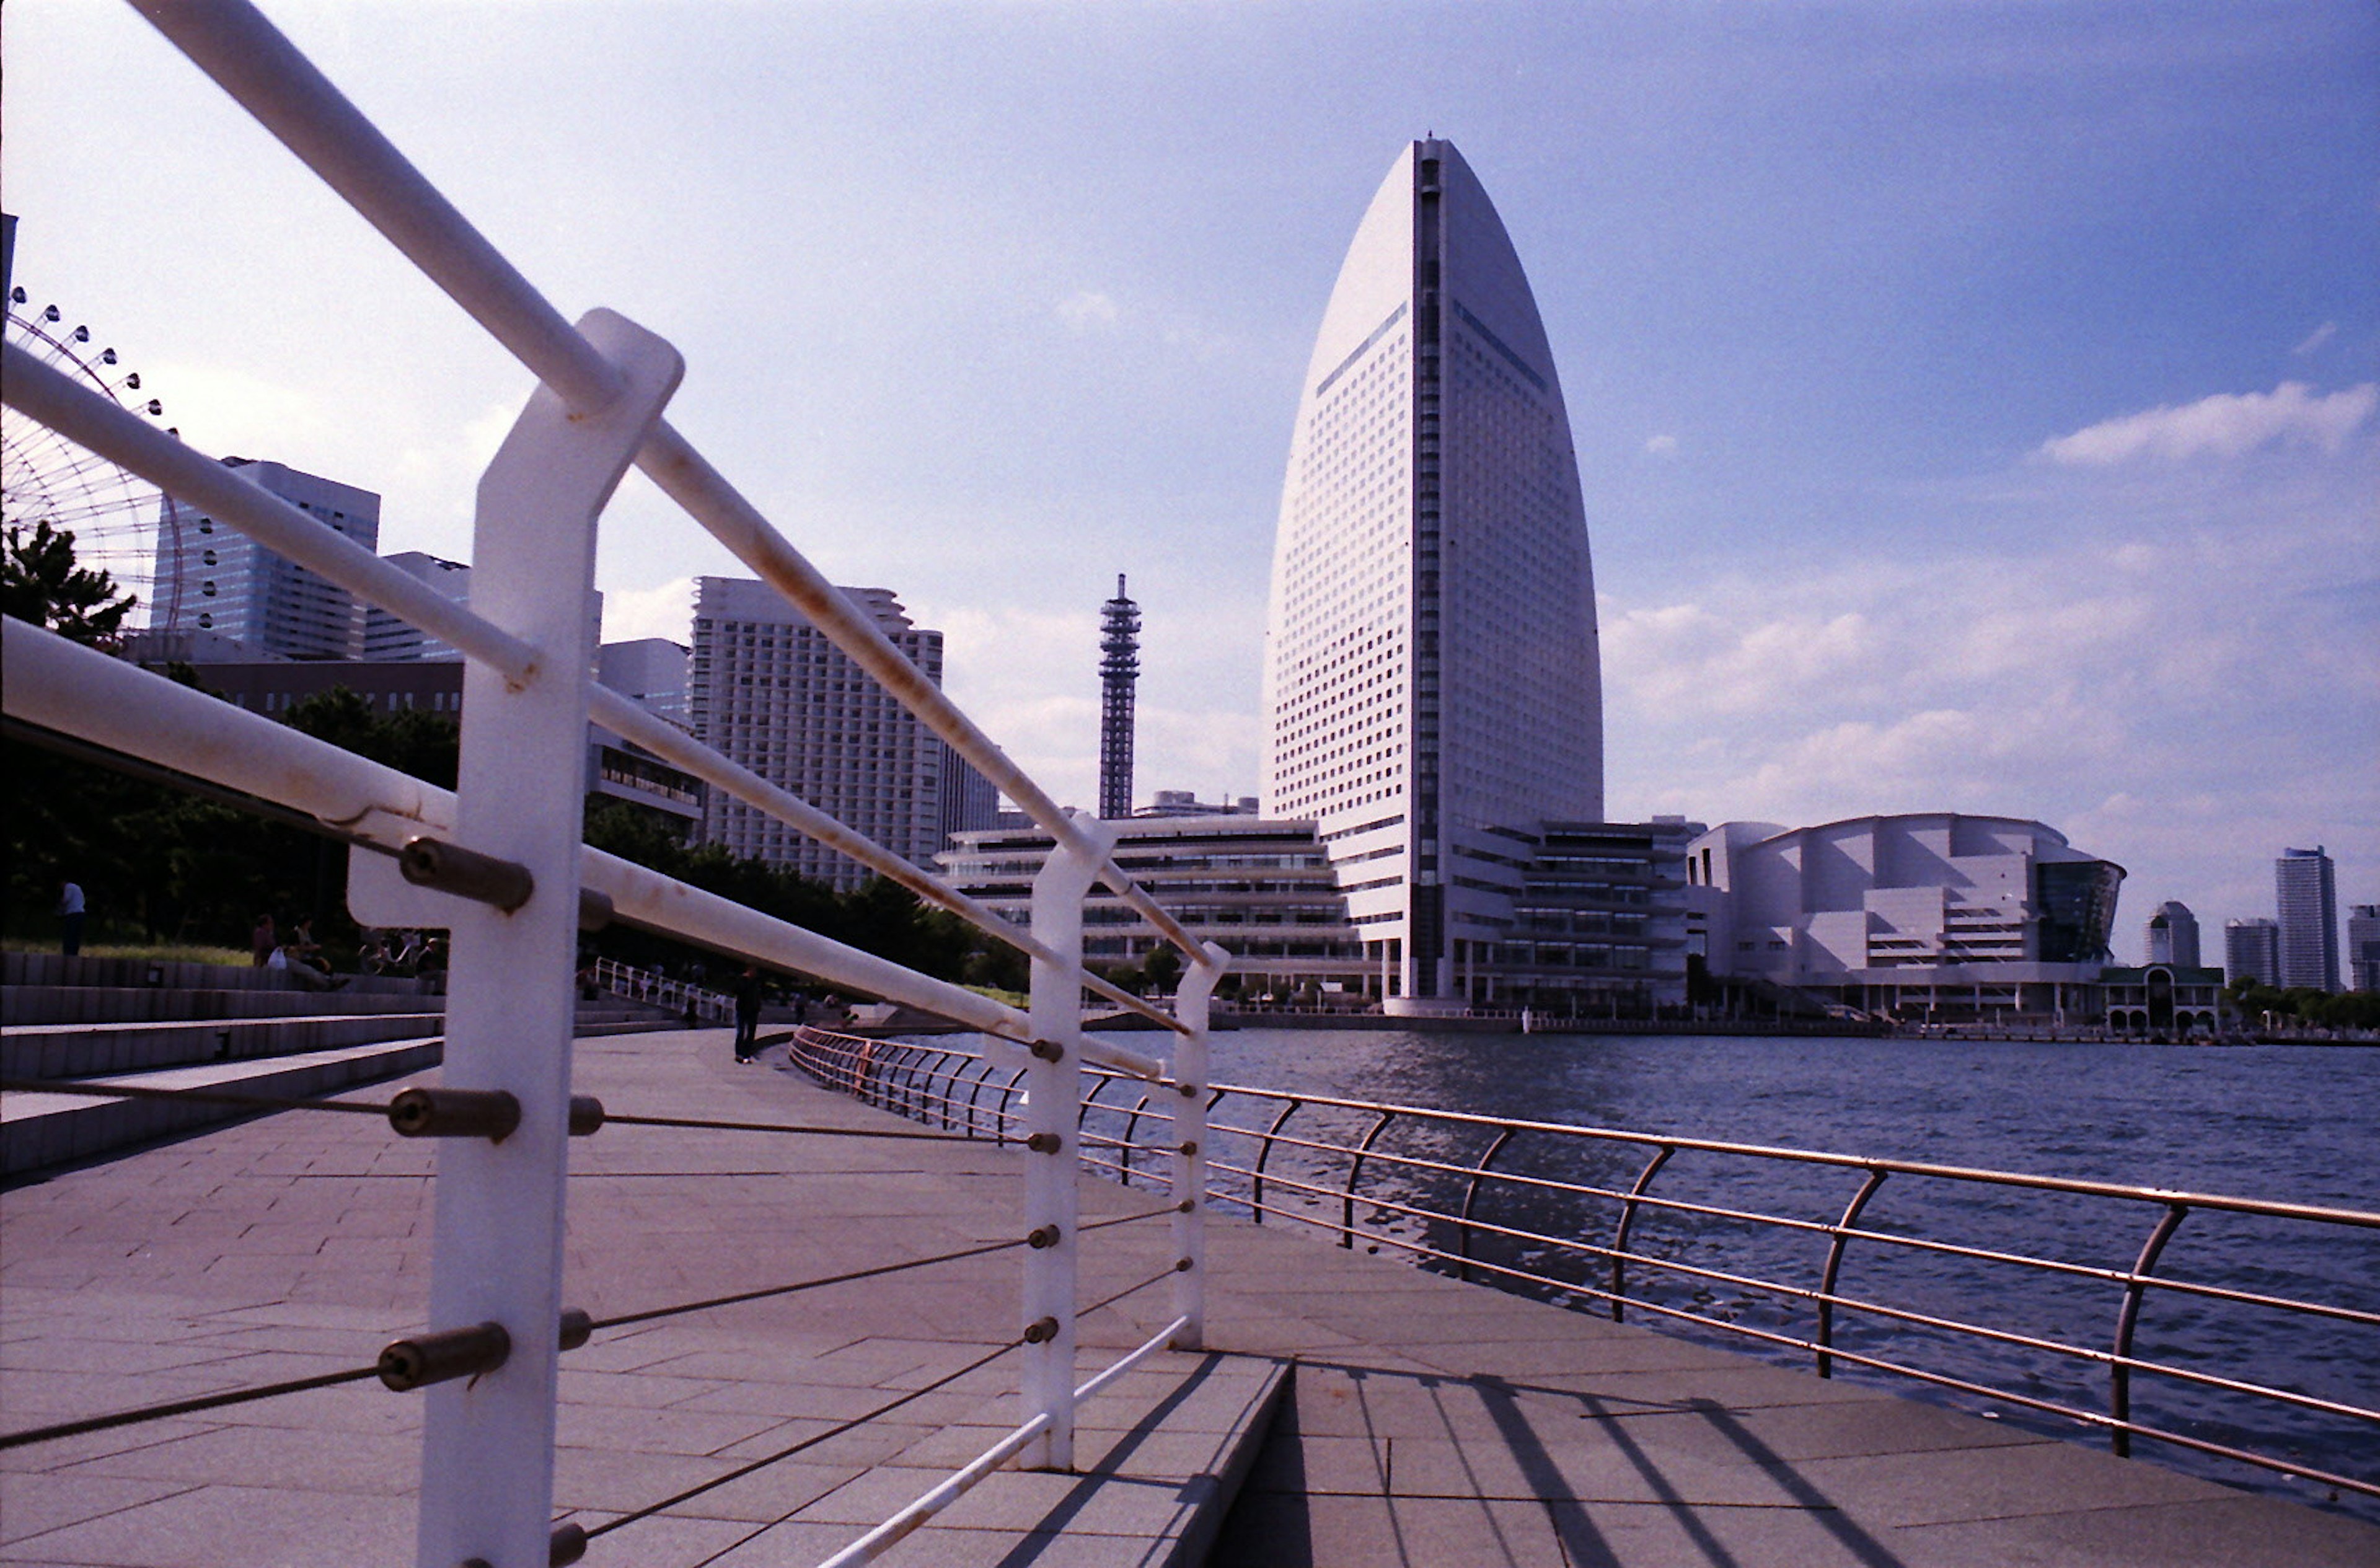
x=378, y=1465
x=1276, y=1530
x=2222, y=1530
x=30, y=1505
x=231, y=1527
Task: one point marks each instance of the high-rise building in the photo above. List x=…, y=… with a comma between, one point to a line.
x=2173, y=935
x=768, y=691
x=1433, y=686
x=2364, y=947
x=2252, y=951
x=1119, y=669
x=2306, y=899
x=227, y=584
x=387, y=635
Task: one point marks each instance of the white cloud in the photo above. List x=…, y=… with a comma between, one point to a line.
x=2316, y=339
x=666, y=611
x=2225, y=425
x=1086, y=312
x=1661, y=447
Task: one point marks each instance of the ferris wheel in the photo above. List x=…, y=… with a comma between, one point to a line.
x=115, y=518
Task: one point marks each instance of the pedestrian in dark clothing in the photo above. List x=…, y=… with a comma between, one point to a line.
x=747, y=1014
x=69, y=920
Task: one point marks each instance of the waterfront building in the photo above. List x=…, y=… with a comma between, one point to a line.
x=1940, y=914
x=1598, y=923
x=1261, y=890
x=390, y=637
x=2161, y=1000
x=2306, y=899
x=1432, y=684
x=2173, y=935
x=2363, y=947
x=2252, y=951
x=1118, y=670
x=226, y=585
x=768, y=691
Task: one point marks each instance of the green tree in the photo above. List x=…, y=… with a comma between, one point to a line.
x=41, y=582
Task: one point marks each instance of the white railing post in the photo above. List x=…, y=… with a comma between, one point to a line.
x=487, y=1460
x=1190, y=1004
x=1054, y=1086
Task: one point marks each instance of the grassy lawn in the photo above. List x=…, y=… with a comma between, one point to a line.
x=147, y=952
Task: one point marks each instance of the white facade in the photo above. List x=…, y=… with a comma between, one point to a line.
x=226, y=584
x=2306, y=896
x=769, y=690
x=1432, y=682
x=1890, y=909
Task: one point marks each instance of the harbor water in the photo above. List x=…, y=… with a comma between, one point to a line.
x=2298, y=1125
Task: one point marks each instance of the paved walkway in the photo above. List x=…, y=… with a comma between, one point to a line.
x=1430, y=1422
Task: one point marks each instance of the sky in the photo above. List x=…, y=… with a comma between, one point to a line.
x=1977, y=405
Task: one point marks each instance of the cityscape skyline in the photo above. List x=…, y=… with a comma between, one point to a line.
x=2017, y=460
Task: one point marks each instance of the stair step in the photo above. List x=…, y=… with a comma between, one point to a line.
x=83, y=1050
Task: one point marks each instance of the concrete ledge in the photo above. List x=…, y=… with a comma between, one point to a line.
x=40, y=1130
x=84, y=1051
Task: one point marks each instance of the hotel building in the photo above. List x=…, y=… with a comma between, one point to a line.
x=2306, y=896
x=1432, y=681
x=768, y=691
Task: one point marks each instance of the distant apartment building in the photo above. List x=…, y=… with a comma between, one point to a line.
x=387, y=635
x=2252, y=951
x=2172, y=936
x=222, y=584
x=2364, y=947
x=2306, y=899
x=767, y=689
x=1938, y=915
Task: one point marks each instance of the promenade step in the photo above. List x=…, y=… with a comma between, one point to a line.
x=25, y=1005
x=39, y=1130
x=83, y=1050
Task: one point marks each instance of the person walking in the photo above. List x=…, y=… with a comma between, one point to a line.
x=69, y=919
x=748, y=1013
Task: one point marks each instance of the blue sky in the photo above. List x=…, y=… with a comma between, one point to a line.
x=1975, y=403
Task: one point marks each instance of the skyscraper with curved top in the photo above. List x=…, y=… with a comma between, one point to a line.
x=1432, y=683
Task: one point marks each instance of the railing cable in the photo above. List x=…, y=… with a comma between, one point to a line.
x=183, y=1407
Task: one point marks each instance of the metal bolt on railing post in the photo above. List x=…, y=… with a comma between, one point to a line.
x=487, y=1472
x=1054, y=1086
x=1192, y=999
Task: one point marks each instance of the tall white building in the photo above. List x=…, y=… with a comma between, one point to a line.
x=226, y=585
x=769, y=690
x=2363, y=947
x=1432, y=682
x=2305, y=894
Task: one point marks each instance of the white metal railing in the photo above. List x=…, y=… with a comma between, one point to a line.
x=498, y=860
x=650, y=985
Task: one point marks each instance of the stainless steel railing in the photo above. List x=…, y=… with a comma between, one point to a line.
x=1336, y=1165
